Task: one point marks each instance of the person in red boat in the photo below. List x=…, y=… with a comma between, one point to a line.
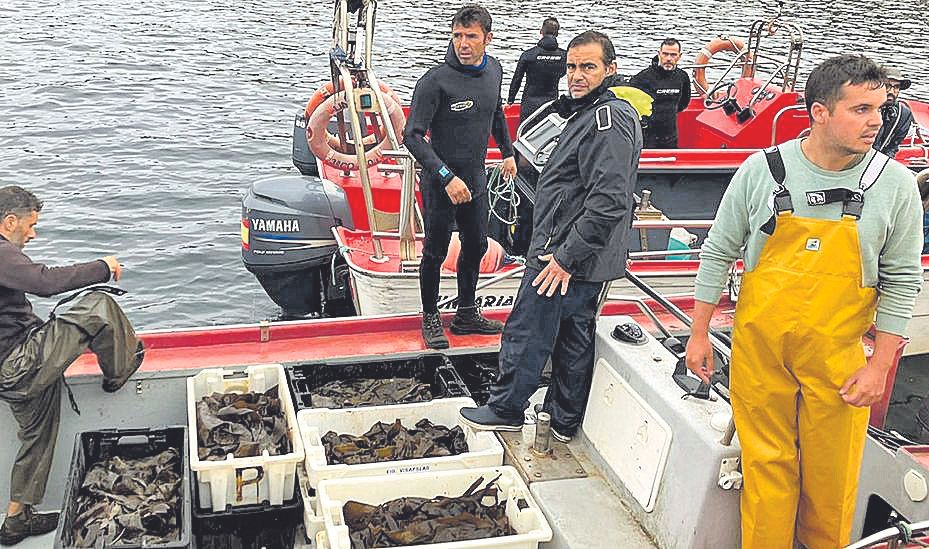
x=34, y=354
x=458, y=104
x=896, y=116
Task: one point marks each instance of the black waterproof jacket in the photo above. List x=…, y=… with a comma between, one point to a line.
x=584, y=204
x=543, y=66
x=670, y=91
x=458, y=106
x=897, y=121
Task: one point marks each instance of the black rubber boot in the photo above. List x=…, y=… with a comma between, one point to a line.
x=27, y=523
x=113, y=385
x=433, y=332
x=469, y=320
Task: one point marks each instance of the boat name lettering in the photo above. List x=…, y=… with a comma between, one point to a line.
x=275, y=225
x=481, y=301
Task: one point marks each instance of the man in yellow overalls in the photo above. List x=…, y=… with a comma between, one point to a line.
x=830, y=234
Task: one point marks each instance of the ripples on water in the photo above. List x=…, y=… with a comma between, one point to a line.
x=141, y=123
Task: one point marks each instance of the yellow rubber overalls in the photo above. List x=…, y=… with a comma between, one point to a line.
x=799, y=320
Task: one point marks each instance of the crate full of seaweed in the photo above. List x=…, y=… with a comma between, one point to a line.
x=127, y=489
x=245, y=445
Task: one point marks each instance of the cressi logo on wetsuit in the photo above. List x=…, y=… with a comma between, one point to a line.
x=461, y=105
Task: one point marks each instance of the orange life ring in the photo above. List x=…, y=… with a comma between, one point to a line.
x=714, y=46
x=320, y=109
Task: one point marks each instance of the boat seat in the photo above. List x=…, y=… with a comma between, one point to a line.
x=490, y=263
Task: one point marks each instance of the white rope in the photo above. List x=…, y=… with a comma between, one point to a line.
x=503, y=189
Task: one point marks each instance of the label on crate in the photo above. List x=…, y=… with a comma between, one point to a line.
x=409, y=469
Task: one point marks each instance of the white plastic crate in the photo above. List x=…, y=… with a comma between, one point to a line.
x=250, y=480
x=484, y=450
x=313, y=523
x=529, y=523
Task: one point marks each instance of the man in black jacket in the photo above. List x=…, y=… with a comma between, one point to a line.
x=543, y=66
x=34, y=355
x=896, y=115
x=458, y=103
x=669, y=87
x=580, y=231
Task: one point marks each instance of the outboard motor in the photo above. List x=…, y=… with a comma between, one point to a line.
x=302, y=157
x=287, y=240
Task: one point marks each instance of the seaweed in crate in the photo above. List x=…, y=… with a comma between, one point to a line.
x=241, y=424
x=415, y=521
x=129, y=501
x=393, y=441
x=364, y=392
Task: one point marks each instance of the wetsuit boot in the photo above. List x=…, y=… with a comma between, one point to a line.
x=433, y=332
x=469, y=320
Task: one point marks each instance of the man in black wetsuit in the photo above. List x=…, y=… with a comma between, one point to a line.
x=458, y=103
x=543, y=66
x=669, y=87
x=896, y=115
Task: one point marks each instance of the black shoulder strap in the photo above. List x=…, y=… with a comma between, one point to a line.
x=782, y=200
x=776, y=165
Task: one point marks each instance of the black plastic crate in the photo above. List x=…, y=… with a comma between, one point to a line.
x=93, y=446
x=443, y=380
x=260, y=526
x=479, y=371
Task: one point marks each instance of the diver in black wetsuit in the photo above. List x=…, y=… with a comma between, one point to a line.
x=669, y=87
x=543, y=66
x=896, y=115
x=458, y=103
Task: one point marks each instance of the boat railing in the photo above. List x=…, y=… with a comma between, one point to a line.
x=637, y=224
x=892, y=538
x=777, y=118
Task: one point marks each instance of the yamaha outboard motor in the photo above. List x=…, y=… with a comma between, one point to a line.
x=287, y=240
x=302, y=157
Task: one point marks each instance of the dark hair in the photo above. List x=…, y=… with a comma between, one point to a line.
x=473, y=13
x=825, y=83
x=672, y=42
x=18, y=201
x=550, y=26
x=594, y=37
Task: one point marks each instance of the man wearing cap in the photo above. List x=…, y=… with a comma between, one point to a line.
x=896, y=114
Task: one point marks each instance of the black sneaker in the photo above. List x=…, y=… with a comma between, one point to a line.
x=27, y=523
x=433, y=332
x=469, y=320
x=113, y=385
x=485, y=419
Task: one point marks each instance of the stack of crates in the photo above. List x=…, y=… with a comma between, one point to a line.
x=248, y=502
x=325, y=488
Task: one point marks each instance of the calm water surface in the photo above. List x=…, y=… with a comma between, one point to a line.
x=141, y=123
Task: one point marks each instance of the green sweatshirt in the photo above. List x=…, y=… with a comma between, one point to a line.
x=890, y=228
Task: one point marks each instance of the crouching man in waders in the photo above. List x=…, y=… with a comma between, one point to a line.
x=831, y=236
x=34, y=355
x=581, y=226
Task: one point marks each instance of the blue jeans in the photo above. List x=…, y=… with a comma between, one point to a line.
x=561, y=327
